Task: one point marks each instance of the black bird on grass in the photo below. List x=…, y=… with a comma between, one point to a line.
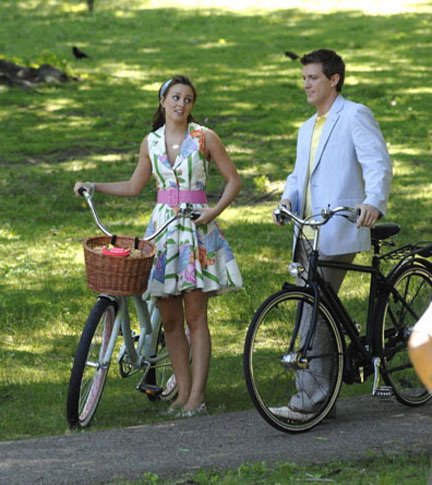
x=291, y=55
x=79, y=54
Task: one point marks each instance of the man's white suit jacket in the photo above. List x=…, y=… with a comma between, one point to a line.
x=351, y=166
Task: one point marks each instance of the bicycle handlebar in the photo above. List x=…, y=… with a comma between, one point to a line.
x=83, y=192
x=185, y=210
x=283, y=214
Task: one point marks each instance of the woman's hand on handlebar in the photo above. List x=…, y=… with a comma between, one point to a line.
x=84, y=185
x=206, y=215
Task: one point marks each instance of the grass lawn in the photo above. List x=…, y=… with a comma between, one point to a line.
x=409, y=470
x=91, y=129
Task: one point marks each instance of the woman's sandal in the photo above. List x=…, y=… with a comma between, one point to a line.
x=172, y=411
x=199, y=411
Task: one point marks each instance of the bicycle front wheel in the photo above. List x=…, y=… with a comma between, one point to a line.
x=293, y=388
x=401, y=309
x=91, y=364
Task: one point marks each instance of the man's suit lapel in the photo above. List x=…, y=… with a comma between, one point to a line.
x=328, y=128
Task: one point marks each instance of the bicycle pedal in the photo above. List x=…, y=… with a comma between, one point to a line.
x=385, y=393
x=150, y=389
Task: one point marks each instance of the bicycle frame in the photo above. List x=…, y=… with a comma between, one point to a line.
x=376, y=284
x=136, y=355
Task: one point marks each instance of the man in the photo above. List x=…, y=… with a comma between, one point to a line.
x=342, y=160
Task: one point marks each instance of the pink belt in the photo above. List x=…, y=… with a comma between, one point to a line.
x=174, y=197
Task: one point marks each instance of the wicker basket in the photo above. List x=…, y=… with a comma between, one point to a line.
x=118, y=275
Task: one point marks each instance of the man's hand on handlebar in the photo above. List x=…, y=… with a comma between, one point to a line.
x=278, y=219
x=368, y=215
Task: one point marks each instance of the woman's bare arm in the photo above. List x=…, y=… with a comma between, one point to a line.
x=127, y=188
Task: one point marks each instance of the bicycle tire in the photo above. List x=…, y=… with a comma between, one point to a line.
x=271, y=384
x=413, y=282
x=88, y=374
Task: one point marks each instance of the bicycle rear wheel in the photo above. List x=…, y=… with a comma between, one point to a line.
x=401, y=310
x=292, y=394
x=161, y=373
x=90, y=367
x=159, y=380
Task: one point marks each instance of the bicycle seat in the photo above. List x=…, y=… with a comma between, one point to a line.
x=383, y=230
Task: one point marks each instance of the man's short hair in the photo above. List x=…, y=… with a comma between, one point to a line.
x=331, y=62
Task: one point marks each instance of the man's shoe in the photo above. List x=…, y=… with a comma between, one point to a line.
x=288, y=413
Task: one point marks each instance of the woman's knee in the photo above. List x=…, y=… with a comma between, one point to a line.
x=196, y=320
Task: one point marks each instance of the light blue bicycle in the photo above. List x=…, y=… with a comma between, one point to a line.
x=143, y=351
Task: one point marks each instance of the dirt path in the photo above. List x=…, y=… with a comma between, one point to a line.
x=363, y=425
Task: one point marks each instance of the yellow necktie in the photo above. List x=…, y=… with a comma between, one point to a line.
x=316, y=135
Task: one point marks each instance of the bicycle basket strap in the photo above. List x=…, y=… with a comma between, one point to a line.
x=136, y=243
x=113, y=239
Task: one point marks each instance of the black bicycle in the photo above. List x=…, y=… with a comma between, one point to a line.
x=302, y=343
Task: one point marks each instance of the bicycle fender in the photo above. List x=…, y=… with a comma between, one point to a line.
x=424, y=262
x=108, y=297
x=290, y=287
x=419, y=261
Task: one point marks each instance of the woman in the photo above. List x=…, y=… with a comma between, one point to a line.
x=193, y=260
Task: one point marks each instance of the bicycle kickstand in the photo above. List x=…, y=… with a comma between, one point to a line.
x=384, y=393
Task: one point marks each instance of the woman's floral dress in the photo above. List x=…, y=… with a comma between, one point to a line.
x=188, y=256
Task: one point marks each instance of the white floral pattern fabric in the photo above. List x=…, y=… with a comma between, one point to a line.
x=188, y=256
